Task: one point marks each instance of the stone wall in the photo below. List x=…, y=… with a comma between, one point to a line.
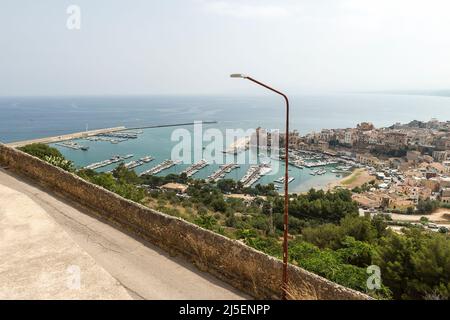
x=244, y=268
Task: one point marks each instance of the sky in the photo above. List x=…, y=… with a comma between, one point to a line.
x=191, y=46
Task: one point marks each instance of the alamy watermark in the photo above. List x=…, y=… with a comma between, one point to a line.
x=74, y=19
x=238, y=146
x=74, y=277
x=374, y=280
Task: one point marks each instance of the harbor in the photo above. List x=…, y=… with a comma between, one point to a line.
x=157, y=143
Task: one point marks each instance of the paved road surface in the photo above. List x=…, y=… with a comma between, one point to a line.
x=144, y=270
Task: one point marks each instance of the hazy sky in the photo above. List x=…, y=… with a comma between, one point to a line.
x=191, y=46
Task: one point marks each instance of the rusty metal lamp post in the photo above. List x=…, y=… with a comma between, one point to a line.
x=286, y=181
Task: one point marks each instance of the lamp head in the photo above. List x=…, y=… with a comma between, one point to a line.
x=238, y=75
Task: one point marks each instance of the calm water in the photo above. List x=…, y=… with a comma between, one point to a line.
x=28, y=118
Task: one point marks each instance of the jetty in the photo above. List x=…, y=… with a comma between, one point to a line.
x=320, y=163
x=195, y=168
x=281, y=180
x=72, y=145
x=166, y=164
x=254, y=173
x=104, y=163
x=223, y=170
x=137, y=163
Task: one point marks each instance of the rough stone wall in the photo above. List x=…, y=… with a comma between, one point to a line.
x=249, y=270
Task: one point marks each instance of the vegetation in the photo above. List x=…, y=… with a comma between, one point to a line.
x=49, y=154
x=365, y=187
x=41, y=151
x=427, y=206
x=121, y=181
x=415, y=265
x=319, y=205
x=328, y=237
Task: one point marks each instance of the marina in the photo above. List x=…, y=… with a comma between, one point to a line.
x=166, y=164
x=190, y=171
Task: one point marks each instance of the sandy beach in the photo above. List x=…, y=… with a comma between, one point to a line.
x=356, y=179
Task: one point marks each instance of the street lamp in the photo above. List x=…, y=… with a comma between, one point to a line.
x=286, y=180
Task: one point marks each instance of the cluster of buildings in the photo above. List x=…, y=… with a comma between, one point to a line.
x=409, y=161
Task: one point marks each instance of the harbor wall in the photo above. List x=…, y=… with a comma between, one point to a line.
x=65, y=137
x=246, y=269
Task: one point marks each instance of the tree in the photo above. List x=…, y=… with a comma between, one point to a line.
x=107, y=181
x=126, y=176
x=324, y=206
x=226, y=185
x=332, y=236
x=427, y=206
x=219, y=205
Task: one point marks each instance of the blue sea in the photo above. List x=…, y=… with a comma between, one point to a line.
x=23, y=118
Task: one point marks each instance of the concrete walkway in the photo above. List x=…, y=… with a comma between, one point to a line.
x=38, y=259
x=42, y=238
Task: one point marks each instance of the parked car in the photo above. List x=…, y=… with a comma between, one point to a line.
x=443, y=230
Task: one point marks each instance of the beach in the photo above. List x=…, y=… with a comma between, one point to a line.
x=356, y=179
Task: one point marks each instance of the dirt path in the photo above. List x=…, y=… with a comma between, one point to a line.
x=440, y=216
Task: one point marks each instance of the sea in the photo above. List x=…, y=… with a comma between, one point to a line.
x=24, y=118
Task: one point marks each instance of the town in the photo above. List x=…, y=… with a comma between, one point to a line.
x=407, y=162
